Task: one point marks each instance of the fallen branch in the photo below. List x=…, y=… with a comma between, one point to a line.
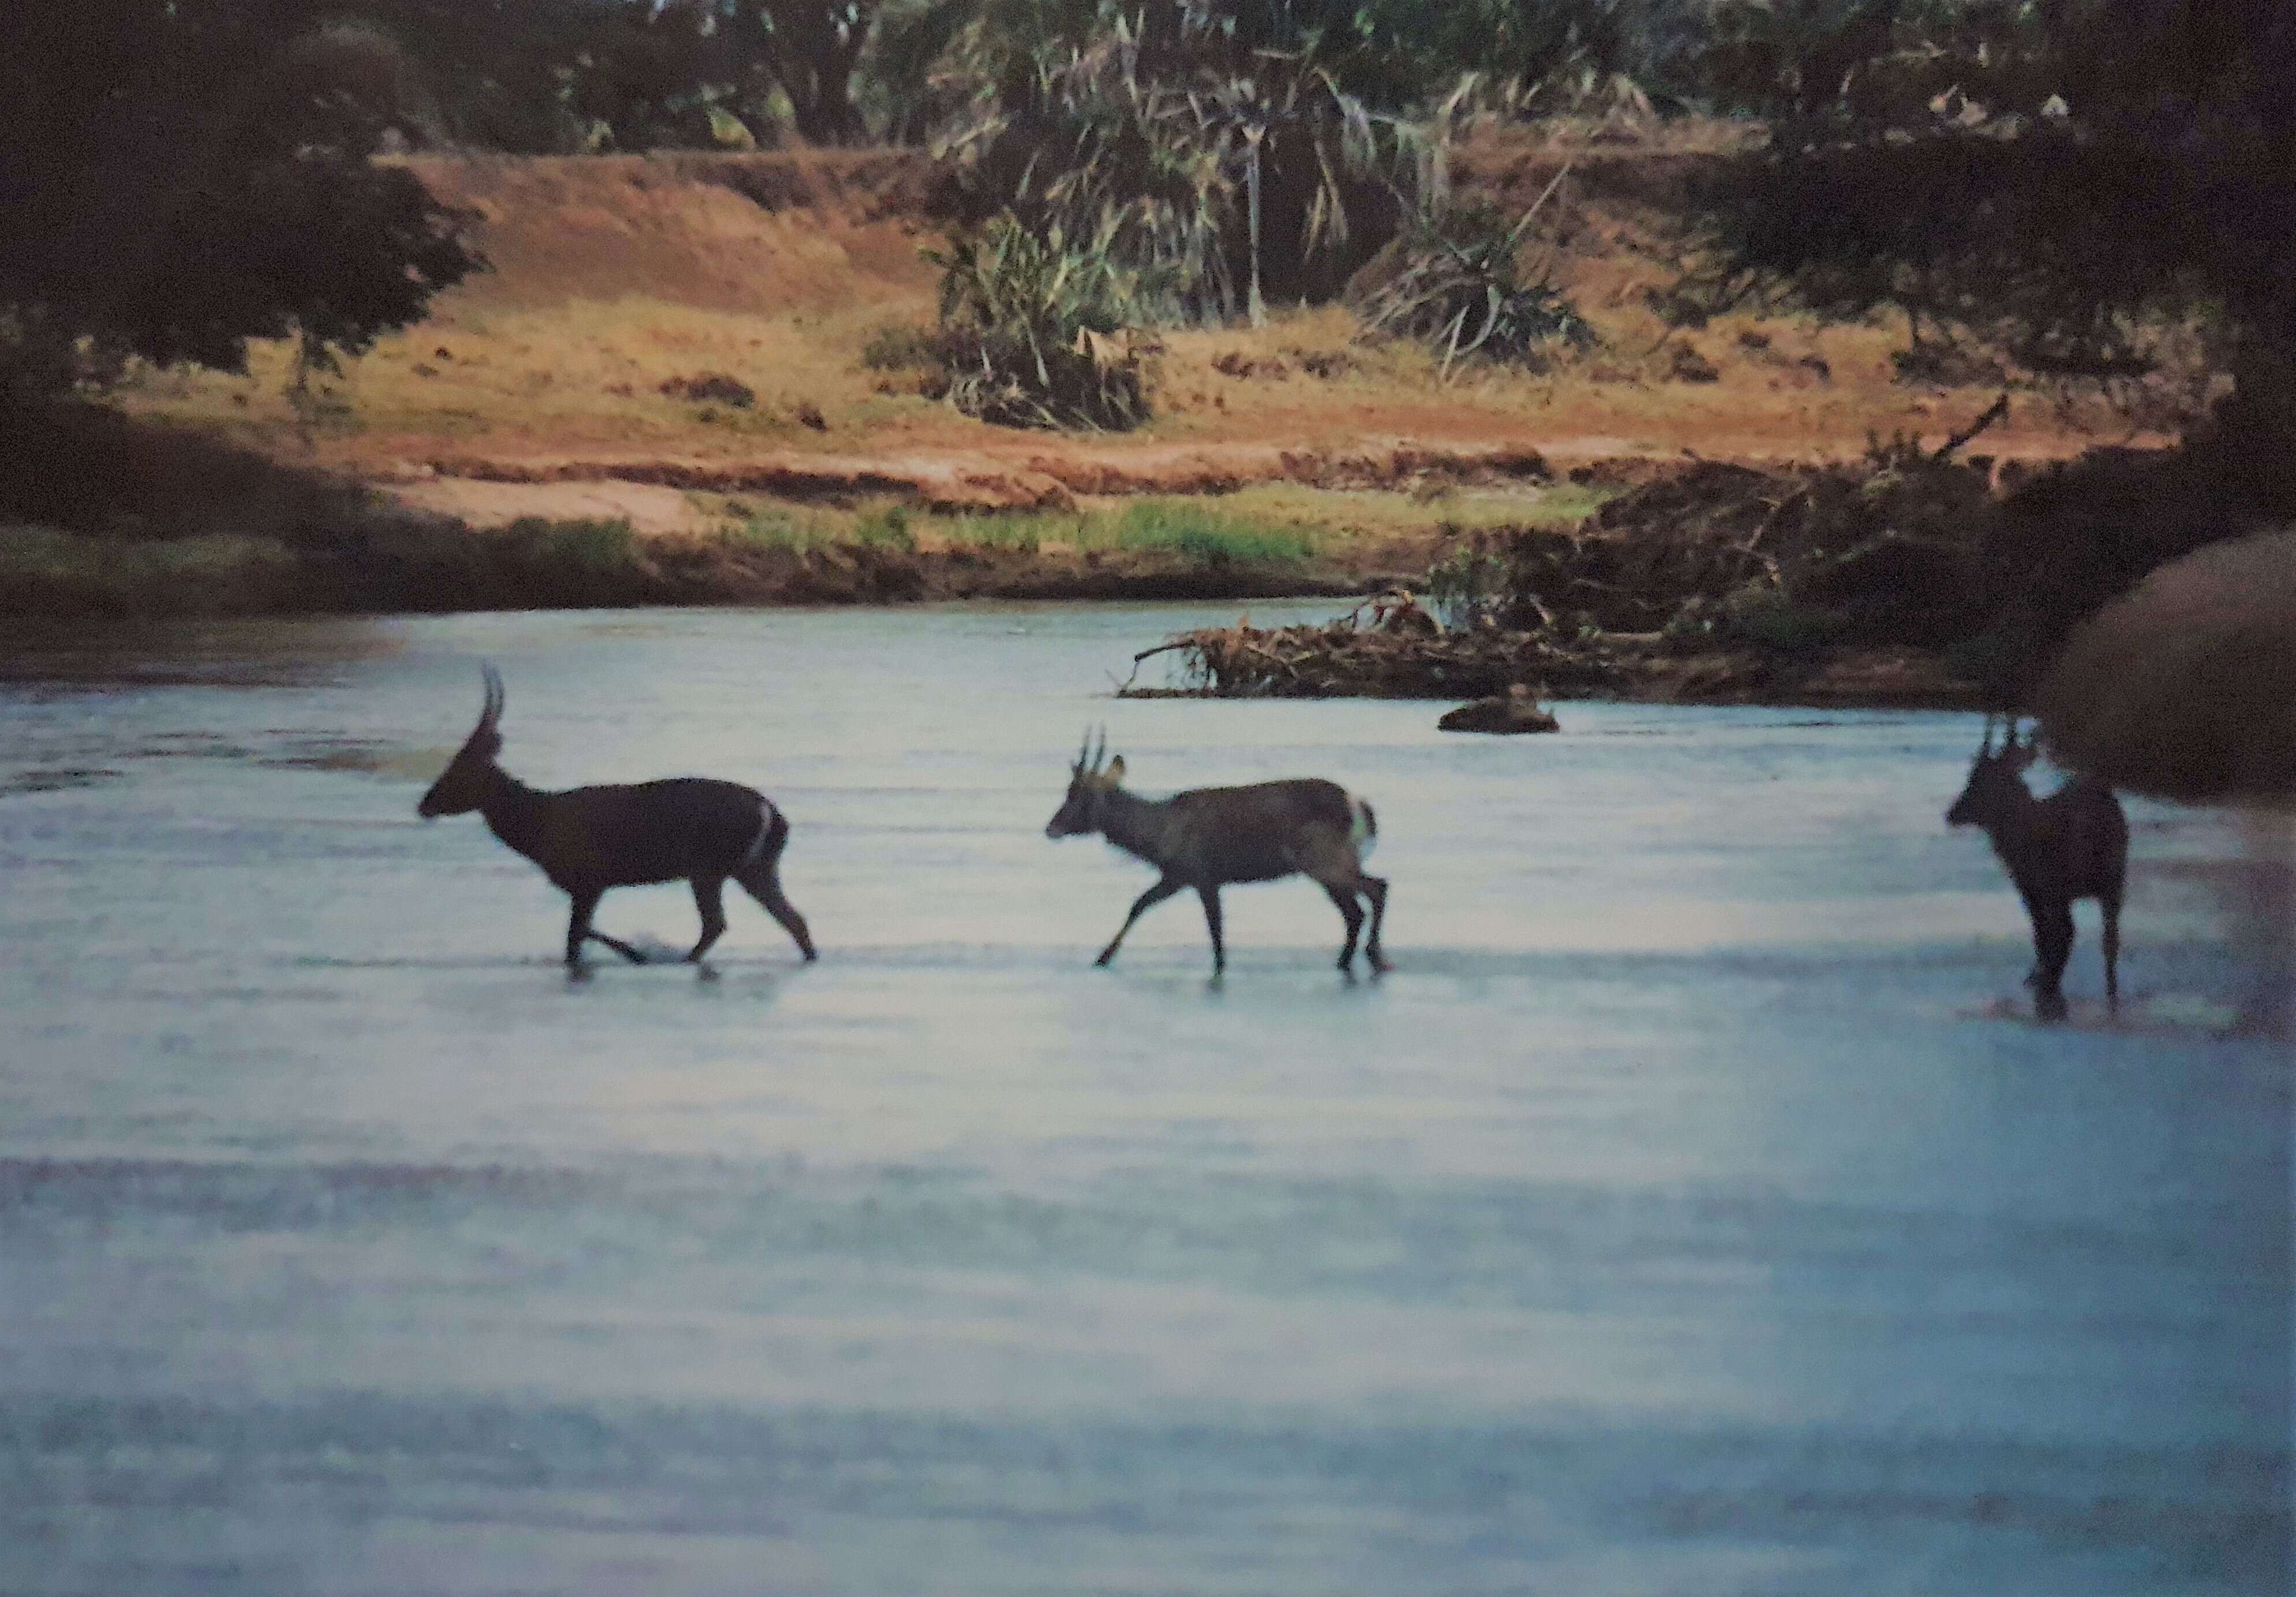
x=1993, y=413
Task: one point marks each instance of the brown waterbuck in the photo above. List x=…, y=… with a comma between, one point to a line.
x=587, y=839
x=2073, y=844
x=1209, y=836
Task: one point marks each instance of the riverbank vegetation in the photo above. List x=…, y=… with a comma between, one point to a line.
x=1294, y=248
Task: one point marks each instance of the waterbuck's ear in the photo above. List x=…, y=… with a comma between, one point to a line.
x=1114, y=774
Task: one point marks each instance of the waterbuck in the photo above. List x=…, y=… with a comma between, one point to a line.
x=1209, y=837
x=588, y=839
x=2073, y=844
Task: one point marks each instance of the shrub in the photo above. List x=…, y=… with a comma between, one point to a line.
x=1455, y=281
x=1029, y=325
x=712, y=387
x=1468, y=584
x=899, y=347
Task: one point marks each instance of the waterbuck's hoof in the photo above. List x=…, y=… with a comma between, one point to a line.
x=2050, y=1006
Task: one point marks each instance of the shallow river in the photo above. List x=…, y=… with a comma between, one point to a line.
x=1691, y=1211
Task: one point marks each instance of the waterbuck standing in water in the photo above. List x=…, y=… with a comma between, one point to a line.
x=1209, y=837
x=2073, y=844
x=588, y=839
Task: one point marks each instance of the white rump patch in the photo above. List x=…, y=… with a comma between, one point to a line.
x=765, y=829
x=1359, y=828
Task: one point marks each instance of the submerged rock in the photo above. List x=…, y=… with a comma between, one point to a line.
x=1515, y=710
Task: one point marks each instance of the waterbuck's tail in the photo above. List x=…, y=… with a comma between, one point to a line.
x=1362, y=828
x=773, y=834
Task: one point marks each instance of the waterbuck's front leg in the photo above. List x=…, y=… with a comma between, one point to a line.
x=710, y=899
x=1209, y=894
x=578, y=931
x=1141, y=906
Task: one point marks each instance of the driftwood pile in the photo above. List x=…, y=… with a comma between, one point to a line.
x=1395, y=652
x=1716, y=581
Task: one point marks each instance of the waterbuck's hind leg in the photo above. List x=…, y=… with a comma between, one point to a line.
x=1375, y=887
x=764, y=884
x=2052, y=942
x=709, y=897
x=2111, y=905
x=1164, y=889
x=1344, y=900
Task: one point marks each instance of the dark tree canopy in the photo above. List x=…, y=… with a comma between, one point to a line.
x=2086, y=160
x=149, y=217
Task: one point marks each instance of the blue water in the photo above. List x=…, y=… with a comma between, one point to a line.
x=1694, y=1210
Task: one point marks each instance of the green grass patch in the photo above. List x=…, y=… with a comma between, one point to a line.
x=1209, y=536
x=586, y=545
x=885, y=528
x=43, y=571
x=1201, y=534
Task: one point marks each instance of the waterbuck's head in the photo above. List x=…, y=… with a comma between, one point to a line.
x=1092, y=778
x=461, y=787
x=1996, y=780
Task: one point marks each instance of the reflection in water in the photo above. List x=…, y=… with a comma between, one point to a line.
x=1694, y=1209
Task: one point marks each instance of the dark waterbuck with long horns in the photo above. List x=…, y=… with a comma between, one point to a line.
x=588, y=839
x=1206, y=837
x=2072, y=844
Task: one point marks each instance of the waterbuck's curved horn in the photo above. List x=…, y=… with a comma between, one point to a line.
x=1984, y=748
x=1084, y=752
x=490, y=712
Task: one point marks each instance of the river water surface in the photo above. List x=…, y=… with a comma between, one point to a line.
x=1693, y=1210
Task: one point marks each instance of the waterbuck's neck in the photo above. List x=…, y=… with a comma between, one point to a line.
x=1136, y=824
x=2013, y=828
x=514, y=811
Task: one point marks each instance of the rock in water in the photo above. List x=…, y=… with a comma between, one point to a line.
x=1516, y=711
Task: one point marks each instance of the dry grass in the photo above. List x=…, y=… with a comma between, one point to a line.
x=579, y=375
x=614, y=278
x=587, y=376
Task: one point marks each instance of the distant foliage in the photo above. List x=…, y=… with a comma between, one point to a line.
x=1226, y=158
x=344, y=87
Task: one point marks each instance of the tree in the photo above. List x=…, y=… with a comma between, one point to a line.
x=146, y=221
x=2093, y=161
x=813, y=49
x=2055, y=177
